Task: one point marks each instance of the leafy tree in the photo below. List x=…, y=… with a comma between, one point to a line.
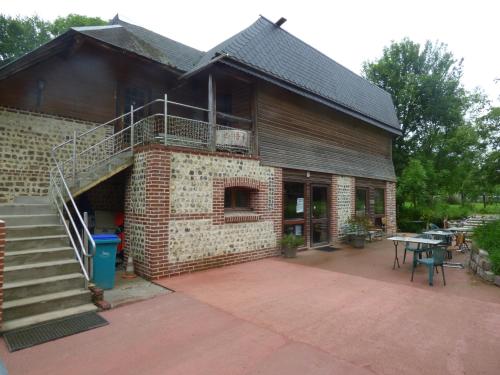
x=413, y=182
x=62, y=24
x=20, y=35
x=430, y=100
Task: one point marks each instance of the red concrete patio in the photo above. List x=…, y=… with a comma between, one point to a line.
x=345, y=312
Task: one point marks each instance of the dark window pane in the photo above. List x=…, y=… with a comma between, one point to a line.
x=227, y=198
x=320, y=232
x=294, y=200
x=241, y=198
x=361, y=195
x=379, y=201
x=320, y=200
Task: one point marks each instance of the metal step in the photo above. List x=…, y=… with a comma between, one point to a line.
x=35, y=319
x=39, y=242
x=39, y=286
x=31, y=219
x=34, y=230
x=24, y=307
x=25, y=209
x=43, y=269
x=15, y=258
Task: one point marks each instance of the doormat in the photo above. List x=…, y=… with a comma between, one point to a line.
x=328, y=249
x=26, y=337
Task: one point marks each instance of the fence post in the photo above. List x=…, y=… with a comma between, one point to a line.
x=212, y=114
x=74, y=157
x=165, y=121
x=132, y=128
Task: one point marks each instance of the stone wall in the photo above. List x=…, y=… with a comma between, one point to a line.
x=345, y=197
x=390, y=207
x=175, y=218
x=479, y=263
x=26, y=140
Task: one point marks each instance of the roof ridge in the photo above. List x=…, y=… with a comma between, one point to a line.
x=323, y=54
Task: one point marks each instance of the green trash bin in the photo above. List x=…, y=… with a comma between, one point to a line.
x=104, y=260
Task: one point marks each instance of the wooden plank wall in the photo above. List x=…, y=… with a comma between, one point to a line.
x=87, y=84
x=297, y=133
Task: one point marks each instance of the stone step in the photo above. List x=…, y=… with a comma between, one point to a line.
x=38, y=242
x=24, y=307
x=25, y=209
x=44, y=285
x=34, y=230
x=15, y=258
x=31, y=200
x=42, y=269
x=40, y=318
x=32, y=219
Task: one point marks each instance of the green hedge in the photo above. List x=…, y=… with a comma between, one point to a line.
x=487, y=237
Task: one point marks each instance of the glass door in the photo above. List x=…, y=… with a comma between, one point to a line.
x=294, y=209
x=319, y=215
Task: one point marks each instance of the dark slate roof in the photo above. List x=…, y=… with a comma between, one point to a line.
x=146, y=43
x=272, y=50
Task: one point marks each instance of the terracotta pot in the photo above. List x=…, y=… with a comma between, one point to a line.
x=358, y=242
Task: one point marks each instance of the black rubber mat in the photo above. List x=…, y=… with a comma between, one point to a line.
x=26, y=337
x=328, y=249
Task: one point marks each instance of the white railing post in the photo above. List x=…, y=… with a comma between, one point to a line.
x=165, y=121
x=132, y=128
x=74, y=157
x=86, y=246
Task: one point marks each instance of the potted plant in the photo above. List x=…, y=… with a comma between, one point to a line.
x=359, y=225
x=289, y=244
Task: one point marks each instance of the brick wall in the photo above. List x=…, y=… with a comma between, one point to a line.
x=390, y=207
x=26, y=140
x=2, y=257
x=175, y=219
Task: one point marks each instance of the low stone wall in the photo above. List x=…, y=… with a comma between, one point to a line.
x=26, y=141
x=479, y=263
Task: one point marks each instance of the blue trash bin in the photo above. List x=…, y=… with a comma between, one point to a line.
x=104, y=260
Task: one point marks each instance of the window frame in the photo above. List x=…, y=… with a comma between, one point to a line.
x=367, y=201
x=233, y=191
x=375, y=213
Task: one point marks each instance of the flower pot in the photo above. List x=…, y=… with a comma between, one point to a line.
x=358, y=242
x=289, y=252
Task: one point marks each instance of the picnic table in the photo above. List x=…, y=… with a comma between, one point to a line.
x=397, y=239
x=445, y=234
x=461, y=229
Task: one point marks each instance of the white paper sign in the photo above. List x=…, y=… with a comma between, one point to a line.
x=300, y=205
x=298, y=230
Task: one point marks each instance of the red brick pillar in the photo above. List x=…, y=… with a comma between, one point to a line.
x=157, y=211
x=2, y=253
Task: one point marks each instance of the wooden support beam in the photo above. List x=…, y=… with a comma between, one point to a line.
x=212, y=107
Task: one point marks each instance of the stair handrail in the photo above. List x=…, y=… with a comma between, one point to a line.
x=84, y=249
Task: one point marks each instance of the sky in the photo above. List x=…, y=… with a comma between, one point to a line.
x=349, y=32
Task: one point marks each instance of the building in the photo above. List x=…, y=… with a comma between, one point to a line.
x=212, y=156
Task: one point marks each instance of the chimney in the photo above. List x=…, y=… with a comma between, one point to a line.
x=280, y=22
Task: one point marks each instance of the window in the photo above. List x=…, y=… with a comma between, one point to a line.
x=361, y=201
x=379, y=201
x=237, y=199
x=293, y=207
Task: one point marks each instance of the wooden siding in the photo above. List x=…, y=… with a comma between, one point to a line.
x=87, y=83
x=300, y=134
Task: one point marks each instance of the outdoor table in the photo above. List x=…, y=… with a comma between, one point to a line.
x=461, y=229
x=397, y=239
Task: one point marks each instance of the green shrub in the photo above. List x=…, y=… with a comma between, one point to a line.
x=291, y=241
x=487, y=237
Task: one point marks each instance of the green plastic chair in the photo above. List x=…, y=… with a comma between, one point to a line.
x=433, y=262
x=409, y=246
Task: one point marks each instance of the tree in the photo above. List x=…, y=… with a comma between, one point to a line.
x=21, y=35
x=428, y=96
x=413, y=182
